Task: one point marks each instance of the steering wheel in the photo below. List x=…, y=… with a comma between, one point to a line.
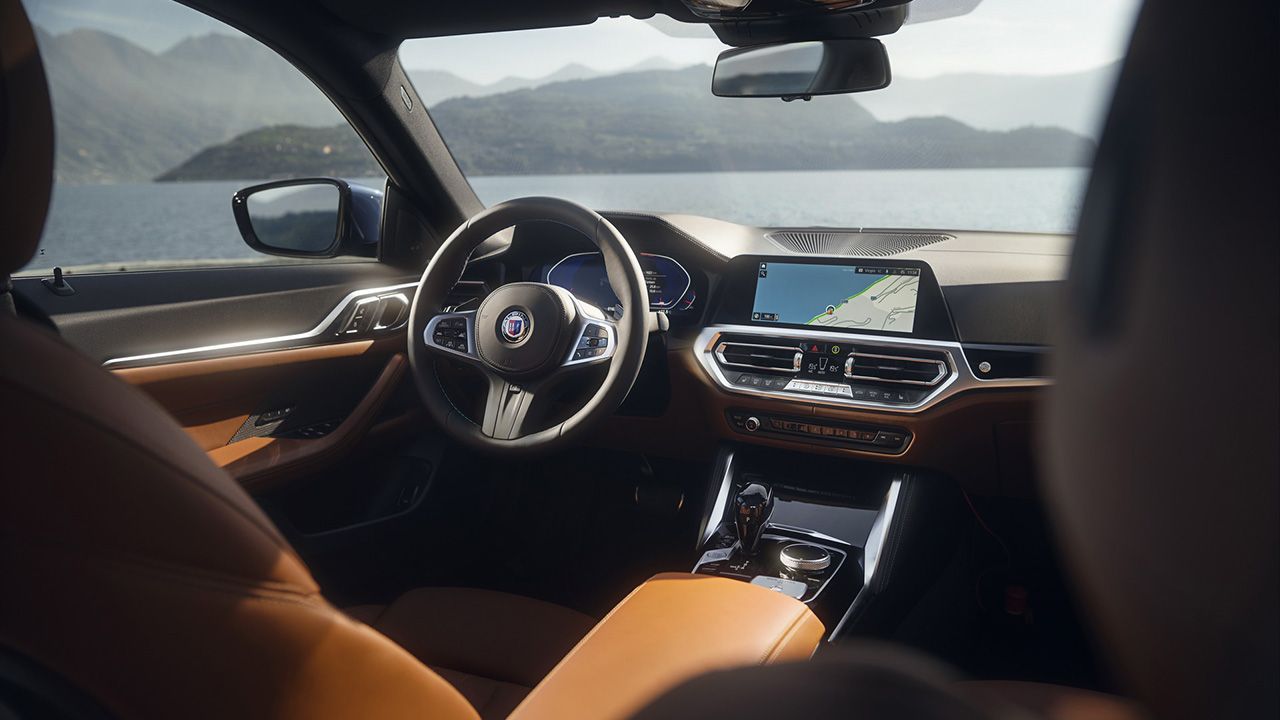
x=525, y=336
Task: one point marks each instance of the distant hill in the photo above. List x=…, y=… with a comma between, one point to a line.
x=653, y=121
x=125, y=114
x=1076, y=101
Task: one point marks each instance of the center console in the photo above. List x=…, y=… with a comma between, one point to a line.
x=816, y=529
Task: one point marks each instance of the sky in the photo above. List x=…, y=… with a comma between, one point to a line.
x=1026, y=37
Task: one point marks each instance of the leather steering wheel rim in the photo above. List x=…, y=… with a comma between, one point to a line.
x=445, y=269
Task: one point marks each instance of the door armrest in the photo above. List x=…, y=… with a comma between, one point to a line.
x=672, y=628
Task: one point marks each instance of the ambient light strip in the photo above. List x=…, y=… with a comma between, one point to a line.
x=269, y=343
x=960, y=379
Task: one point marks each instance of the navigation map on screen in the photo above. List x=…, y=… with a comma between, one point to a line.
x=837, y=297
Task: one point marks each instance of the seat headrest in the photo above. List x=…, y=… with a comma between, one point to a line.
x=26, y=139
x=1162, y=427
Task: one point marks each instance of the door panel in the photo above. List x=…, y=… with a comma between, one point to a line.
x=117, y=315
x=273, y=371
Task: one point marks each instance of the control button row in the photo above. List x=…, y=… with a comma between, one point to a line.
x=830, y=431
x=451, y=333
x=764, y=382
x=594, y=342
x=868, y=438
x=820, y=388
x=884, y=395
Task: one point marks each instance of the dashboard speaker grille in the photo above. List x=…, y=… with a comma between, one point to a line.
x=862, y=244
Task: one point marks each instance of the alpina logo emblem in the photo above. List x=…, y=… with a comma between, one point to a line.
x=515, y=326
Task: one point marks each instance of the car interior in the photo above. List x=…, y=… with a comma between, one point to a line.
x=531, y=459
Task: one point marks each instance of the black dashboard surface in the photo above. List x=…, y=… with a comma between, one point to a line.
x=989, y=288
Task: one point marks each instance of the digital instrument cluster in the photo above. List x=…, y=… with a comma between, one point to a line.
x=583, y=274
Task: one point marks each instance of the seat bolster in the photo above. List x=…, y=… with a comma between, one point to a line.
x=673, y=627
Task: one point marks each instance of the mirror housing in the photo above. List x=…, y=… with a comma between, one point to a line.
x=309, y=218
x=801, y=70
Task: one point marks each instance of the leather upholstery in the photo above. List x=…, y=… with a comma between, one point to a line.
x=492, y=646
x=672, y=628
x=26, y=140
x=146, y=576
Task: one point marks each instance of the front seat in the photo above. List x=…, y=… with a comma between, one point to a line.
x=1162, y=471
x=119, y=537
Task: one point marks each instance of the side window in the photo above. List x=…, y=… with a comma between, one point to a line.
x=161, y=113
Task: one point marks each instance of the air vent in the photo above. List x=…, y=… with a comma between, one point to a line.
x=886, y=365
x=782, y=358
x=860, y=244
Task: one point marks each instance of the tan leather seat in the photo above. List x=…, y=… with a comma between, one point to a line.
x=492, y=646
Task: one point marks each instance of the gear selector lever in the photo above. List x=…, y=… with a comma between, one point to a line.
x=751, y=512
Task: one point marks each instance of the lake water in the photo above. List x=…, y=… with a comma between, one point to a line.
x=149, y=223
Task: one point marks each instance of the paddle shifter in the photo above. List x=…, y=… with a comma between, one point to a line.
x=751, y=511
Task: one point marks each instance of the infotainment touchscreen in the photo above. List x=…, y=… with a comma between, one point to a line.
x=837, y=297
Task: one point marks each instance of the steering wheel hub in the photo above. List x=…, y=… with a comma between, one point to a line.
x=523, y=329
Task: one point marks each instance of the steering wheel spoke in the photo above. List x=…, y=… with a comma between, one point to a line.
x=453, y=334
x=510, y=408
x=595, y=337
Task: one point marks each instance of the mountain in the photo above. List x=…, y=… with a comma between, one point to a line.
x=126, y=114
x=1075, y=101
x=651, y=121
x=123, y=113
x=436, y=85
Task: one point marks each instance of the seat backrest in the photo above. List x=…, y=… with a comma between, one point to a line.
x=1162, y=425
x=133, y=568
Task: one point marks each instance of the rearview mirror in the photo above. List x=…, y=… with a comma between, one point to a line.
x=801, y=70
x=309, y=218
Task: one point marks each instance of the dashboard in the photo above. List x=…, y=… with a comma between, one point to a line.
x=857, y=346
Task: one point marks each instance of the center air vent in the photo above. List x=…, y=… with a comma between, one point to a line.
x=860, y=244
x=782, y=358
x=887, y=365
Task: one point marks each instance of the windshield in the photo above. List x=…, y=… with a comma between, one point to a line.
x=990, y=122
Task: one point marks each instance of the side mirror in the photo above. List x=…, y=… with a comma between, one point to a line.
x=802, y=69
x=309, y=218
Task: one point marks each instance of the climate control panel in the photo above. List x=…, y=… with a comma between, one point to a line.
x=856, y=436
